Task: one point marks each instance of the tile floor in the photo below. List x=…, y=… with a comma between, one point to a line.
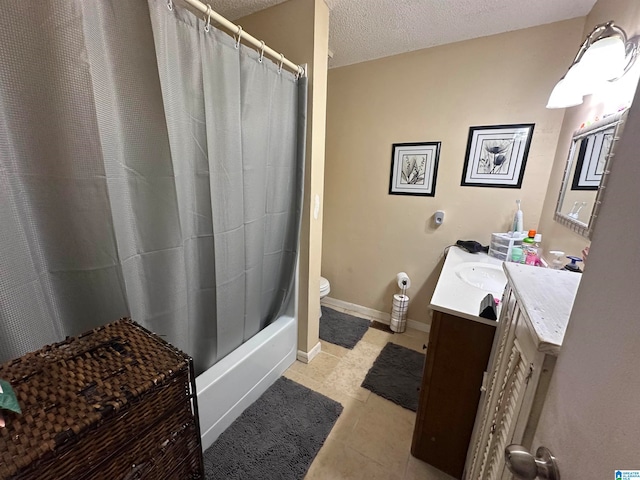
x=372, y=438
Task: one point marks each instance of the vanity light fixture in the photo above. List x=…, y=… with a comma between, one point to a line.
x=605, y=55
x=564, y=95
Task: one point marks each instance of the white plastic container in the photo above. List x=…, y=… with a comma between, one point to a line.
x=501, y=245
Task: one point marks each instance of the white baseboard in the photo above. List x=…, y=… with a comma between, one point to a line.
x=306, y=357
x=377, y=315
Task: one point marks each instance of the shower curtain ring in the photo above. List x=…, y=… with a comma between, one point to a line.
x=261, y=51
x=239, y=37
x=208, y=23
x=280, y=64
x=170, y=5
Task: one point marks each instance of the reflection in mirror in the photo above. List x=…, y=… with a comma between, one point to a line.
x=588, y=164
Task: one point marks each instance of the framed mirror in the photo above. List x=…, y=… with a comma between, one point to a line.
x=585, y=175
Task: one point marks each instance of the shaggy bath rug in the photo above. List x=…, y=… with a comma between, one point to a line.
x=341, y=328
x=277, y=437
x=396, y=375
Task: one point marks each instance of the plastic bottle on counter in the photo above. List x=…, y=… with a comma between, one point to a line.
x=518, y=219
x=557, y=263
x=534, y=258
x=530, y=249
x=573, y=266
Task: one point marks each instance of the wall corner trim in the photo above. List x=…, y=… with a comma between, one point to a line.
x=307, y=357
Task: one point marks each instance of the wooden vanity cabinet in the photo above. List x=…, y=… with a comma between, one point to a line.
x=457, y=357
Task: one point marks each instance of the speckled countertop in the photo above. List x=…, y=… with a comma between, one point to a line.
x=546, y=298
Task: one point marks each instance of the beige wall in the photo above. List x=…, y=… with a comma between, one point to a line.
x=626, y=14
x=300, y=30
x=432, y=95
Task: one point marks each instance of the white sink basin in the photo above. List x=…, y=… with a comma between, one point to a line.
x=484, y=276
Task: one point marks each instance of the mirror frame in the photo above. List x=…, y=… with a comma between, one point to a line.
x=617, y=120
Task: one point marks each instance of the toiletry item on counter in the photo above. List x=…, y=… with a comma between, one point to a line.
x=534, y=258
x=488, y=308
x=517, y=254
x=530, y=238
x=472, y=246
x=556, y=264
x=530, y=248
x=518, y=222
x=573, y=266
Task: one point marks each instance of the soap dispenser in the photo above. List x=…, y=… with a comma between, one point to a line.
x=573, y=266
x=557, y=263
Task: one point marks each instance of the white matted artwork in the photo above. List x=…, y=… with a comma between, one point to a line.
x=414, y=168
x=497, y=155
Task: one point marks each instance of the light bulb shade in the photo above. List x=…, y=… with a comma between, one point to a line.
x=580, y=81
x=564, y=95
x=604, y=59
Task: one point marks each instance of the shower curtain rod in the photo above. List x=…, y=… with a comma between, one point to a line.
x=209, y=12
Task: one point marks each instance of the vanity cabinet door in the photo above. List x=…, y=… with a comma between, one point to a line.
x=504, y=419
x=504, y=340
x=457, y=357
x=509, y=397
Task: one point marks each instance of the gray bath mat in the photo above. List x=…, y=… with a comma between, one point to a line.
x=396, y=375
x=341, y=328
x=277, y=437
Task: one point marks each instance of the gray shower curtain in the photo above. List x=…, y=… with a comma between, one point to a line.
x=147, y=168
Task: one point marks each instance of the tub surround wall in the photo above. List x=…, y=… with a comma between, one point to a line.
x=432, y=95
x=300, y=30
x=626, y=14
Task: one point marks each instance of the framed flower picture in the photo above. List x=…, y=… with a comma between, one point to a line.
x=414, y=168
x=497, y=155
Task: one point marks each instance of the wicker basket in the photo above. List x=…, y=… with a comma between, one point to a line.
x=115, y=403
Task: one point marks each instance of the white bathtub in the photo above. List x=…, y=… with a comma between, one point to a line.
x=236, y=381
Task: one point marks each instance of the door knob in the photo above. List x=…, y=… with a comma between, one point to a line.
x=525, y=466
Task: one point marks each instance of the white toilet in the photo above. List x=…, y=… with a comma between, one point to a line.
x=325, y=288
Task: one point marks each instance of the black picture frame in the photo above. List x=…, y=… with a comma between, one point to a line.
x=414, y=168
x=591, y=161
x=496, y=155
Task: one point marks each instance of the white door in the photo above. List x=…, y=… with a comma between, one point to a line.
x=591, y=417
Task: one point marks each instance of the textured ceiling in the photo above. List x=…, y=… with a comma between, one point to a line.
x=363, y=30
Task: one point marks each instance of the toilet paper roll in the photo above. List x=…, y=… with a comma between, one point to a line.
x=399, y=308
x=399, y=299
x=403, y=280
